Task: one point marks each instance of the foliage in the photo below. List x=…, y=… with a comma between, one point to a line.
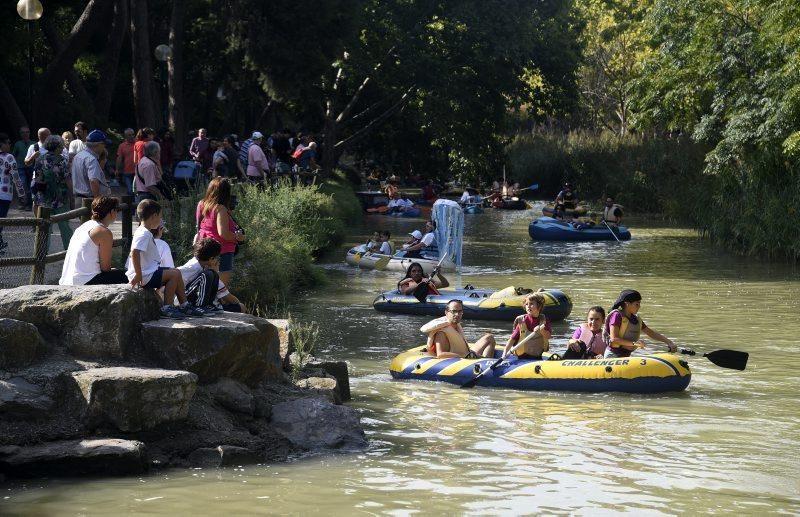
x=305, y=341
x=644, y=175
x=286, y=226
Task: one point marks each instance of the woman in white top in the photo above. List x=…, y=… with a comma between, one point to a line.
x=88, y=260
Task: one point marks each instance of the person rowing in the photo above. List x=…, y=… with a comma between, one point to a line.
x=623, y=327
x=415, y=276
x=532, y=322
x=446, y=337
x=612, y=212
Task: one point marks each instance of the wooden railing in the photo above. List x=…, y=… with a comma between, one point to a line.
x=42, y=223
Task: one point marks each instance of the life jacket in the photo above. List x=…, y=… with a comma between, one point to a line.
x=627, y=330
x=535, y=345
x=431, y=288
x=608, y=213
x=455, y=337
x=569, y=200
x=595, y=345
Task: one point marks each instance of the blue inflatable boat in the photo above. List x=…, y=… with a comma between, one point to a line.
x=549, y=229
x=479, y=304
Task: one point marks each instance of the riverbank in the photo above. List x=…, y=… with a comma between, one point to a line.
x=92, y=382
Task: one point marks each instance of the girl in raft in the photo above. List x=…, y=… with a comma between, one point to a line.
x=587, y=340
x=415, y=276
x=532, y=322
x=623, y=327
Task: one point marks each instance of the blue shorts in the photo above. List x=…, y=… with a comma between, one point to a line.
x=226, y=262
x=155, y=280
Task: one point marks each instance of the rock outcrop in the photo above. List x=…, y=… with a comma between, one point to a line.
x=19, y=343
x=91, y=322
x=134, y=399
x=238, y=346
x=315, y=423
x=20, y=399
x=108, y=456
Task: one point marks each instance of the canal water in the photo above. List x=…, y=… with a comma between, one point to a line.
x=725, y=445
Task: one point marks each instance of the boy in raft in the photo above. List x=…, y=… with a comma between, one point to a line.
x=446, y=337
x=623, y=327
x=415, y=276
x=587, y=340
x=532, y=322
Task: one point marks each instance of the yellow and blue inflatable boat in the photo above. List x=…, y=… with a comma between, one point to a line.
x=654, y=373
x=479, y=304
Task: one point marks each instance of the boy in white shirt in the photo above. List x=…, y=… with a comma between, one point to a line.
x=386, y=246
x=201, y=277
x=144, y=264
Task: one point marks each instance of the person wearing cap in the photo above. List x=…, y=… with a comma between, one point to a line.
x=623, y=327
x=257, y=165
x=426, y=241
x=566, y=199
x=416, y=236
x=88, y=178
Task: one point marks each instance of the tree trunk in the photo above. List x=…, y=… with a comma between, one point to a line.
x=81, y=96
x=55, y=74
x=145, y=100
x=108, y=68
x=177, y=105
x=14, y=116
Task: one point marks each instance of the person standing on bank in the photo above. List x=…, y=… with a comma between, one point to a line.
x=88, y=260
x=148, y=173
x=623, y=327
x=214, y=221
x=88, y=178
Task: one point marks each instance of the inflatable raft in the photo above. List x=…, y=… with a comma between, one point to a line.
x=479, y=304
x=508, y=203
x=549, y=211
x=472, y=209
x=655, y=373
x=413, y=211
x=549, y=229
x=358, y=256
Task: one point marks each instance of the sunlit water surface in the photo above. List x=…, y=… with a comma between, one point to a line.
x=726, y=445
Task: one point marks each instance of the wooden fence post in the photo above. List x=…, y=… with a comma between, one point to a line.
x=127, y=224
x=86, y=203
x=40, y=245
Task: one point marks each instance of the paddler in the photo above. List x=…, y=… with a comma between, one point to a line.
x=446, y=337
x=532, y=322
x=623, y=327
x=415, y=275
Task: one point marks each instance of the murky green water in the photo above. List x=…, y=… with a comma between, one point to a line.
x=726, y=445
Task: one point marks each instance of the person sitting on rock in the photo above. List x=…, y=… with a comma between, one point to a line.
x=144, y=264
x=446, y=337
x=88, y=260
x=201, y=277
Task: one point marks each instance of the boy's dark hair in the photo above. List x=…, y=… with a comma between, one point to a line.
x=386, y=234
x=206, y=249
x=146, y=209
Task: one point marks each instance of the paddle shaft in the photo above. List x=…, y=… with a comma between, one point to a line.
x=612, y=231
x=472, y=382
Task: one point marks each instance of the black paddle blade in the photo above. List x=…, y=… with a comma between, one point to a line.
x=732, y=359
x=421, y=292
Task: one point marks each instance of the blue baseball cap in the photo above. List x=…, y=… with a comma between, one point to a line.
x=97, y=137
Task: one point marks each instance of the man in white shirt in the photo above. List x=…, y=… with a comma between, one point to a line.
x=428, y=240
x=88, y=178
x=81, y=131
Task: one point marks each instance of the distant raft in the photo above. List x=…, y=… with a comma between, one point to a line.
x=655, y=373
x=359, y=256
x=413, y=211
x=480, y=304
x=549, y=229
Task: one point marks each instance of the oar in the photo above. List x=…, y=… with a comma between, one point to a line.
x=612, y=231
x=421, y=291
x=472, y=382
x=382, y=262
x=532, y=187
x=732, y=359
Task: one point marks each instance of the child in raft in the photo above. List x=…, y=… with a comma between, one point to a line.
x=623, y=327
x=587, y=340
x=532, y=322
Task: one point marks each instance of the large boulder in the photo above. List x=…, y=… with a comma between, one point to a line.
x=134, y=399
x=91, y=322
x=108, y=456
x=239, y=346
x=313, y=423
x=19, y=399
x=325, y=386
x=232, y=395
x=19, y=343
x=336, y=369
